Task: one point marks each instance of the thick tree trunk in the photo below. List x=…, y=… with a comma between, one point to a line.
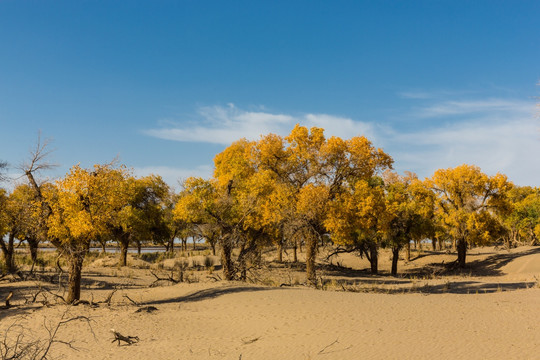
x=311, y=252
x=462, y=252
x=408, y=253
x=74, y=282
x=124, y=245
x=226, y=260
x=139, y=246
x=374, y=259
x=33, y=245
x=434, y=244
x=8, y=250
x=395, y=258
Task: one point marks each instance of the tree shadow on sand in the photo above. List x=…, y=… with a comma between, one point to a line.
x=209, y=294
x=490, y=266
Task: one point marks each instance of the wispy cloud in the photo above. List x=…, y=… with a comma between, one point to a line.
x=509, y=147
x=466, y=107
x=223, y=125
x=499, y=135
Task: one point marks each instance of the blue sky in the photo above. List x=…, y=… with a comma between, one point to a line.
x=165, y=85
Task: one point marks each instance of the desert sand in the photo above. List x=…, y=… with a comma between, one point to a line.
x=492, y=312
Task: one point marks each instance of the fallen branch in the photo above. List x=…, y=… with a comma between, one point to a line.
x=129, y=340
x=132, y=301
x=327, y=346
x=158, y=279
x=108, y=298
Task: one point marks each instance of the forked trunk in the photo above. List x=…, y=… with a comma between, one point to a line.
x=33, y=244
x=8, y=250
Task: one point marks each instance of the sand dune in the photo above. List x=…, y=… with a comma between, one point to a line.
x=240, y=321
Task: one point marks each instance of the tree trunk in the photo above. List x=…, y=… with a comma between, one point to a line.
x=226, y=260
x=295, y=251
x=408, y=254
x=462, y=252
x=434, y=244
x=213, y=245
x=75, y=271
x=280, y=252
x=395, y=258
x=311, y=252
x=124, y=245
x=139, y=246
x=374, y=259
x=171, y=245
x=8, y=250
x=33, y=245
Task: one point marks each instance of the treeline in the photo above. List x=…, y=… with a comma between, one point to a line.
x=300, y=190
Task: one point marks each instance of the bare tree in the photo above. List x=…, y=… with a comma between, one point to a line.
x=3, y=168
x=17, y=342
x=37, y=162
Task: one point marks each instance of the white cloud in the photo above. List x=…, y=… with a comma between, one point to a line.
x=499, y=135
x=223, y=125
x=496, y=134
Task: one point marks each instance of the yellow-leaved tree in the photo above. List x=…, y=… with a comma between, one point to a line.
x=302, y=173
x=84, y=202
x=409, y=213
x=357, y=219
x=140, y=213
x=523, y=221
x=469, y=203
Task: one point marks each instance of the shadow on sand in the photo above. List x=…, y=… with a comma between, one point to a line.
x=209, y=294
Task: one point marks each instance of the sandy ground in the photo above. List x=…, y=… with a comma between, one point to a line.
x=493, y=312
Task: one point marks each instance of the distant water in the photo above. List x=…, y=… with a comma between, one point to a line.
x=117, y=250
